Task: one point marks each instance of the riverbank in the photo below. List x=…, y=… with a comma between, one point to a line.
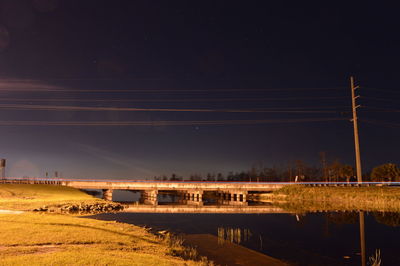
x=42, y=238
x=53, y=199
x=305, y=199
x=29, y=197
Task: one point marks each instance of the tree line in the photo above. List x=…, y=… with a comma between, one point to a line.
x=297, y=172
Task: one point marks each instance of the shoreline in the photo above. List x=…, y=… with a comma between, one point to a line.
x=309, y=199
x=59, y=238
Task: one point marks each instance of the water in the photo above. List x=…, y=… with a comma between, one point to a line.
x=330, y=238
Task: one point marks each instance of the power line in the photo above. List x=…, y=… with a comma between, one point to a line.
x=165, y=123
x=130, y=109
x=380, y=99
x=56, y=89
x=169, y=99
x=380, y=89
x=271, y=109
x=381, y=123
x=378, y=109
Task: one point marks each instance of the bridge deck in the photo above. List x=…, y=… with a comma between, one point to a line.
x=178, y=185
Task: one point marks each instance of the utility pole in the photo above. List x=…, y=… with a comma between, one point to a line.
x=355, y=127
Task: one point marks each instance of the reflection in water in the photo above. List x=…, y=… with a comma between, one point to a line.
x=233, y=235
x=282, y=237
x=343, y=218
x=388, y=218
x=362, y=238
x=375, y=260
x=325, y=238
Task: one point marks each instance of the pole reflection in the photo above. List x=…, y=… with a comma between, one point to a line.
x=362, y=238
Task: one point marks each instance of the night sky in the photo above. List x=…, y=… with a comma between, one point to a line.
x=134, y=89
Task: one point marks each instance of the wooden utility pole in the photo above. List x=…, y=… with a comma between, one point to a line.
x=355, y=127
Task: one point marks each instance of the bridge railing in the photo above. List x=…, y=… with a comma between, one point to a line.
x=30, y=181
x=61, y=181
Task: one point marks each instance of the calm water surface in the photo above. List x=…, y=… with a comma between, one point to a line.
x=331, y=238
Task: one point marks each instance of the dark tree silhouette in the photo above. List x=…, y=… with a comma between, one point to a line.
x=386, y=172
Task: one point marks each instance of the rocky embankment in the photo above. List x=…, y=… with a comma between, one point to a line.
x=82, y=208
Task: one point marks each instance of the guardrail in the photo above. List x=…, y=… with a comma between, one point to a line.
x=31, y=181
x=60, y=181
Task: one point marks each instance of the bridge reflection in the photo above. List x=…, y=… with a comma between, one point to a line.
x=174, y=208
x=191, y=198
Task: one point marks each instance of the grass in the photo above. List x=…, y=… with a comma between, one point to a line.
x=29, y=197
x=303, y=198
x=43, y=239
x=55, y=239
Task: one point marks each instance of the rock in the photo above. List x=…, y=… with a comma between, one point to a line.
x=82, y=207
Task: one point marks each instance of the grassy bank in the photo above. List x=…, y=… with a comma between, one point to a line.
x=54, y=239
x=302, y=198
x=43, y=239
x=29, y=197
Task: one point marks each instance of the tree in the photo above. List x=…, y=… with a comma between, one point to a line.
x=338, y=171
x=300, y=170
x=253, y=174
x=220, y=177
x=313, y=173
x=230, y=176
x=174, y=177
x=386, y=172
x=195, y=177
x=347, y=172
x=210, y=177
x=324, y=168
x=334, y=171
x=270, y=174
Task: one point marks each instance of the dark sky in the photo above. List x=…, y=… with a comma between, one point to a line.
x=133, y=89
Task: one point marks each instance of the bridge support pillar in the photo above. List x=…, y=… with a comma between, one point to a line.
x=195, y=197
x=107, y=194
x=244, y=197
x=224, y=196
x=232, y=197
x=149, y=197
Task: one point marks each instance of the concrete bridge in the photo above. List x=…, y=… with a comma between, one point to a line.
x=191, y=191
